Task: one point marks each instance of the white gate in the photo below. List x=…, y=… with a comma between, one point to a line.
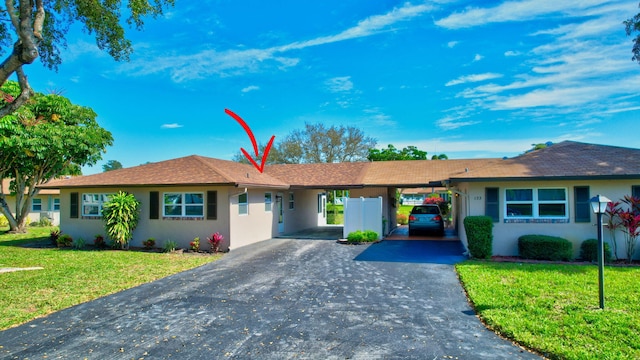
x=362, y=214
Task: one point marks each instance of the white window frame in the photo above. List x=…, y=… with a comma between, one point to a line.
x=535, y=203
x=36, y=202
x=243, y=206
x=183, y=205
x=292, y=202
x=94, y=200
x=268, y=202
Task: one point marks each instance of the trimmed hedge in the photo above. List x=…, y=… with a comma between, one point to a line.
x=589, y=251
x=479, y=230
x=362, y=236
x=544, y=247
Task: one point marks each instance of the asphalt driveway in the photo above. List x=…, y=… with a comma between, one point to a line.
x=278, y=299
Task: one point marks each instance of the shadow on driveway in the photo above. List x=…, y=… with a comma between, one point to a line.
x=415, y=251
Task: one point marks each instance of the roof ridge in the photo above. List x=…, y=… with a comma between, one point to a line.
x=206, y=161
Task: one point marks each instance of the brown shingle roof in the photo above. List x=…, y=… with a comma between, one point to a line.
x=190, y=170
x=6, y=182
x=568, y=159
x=325, y=175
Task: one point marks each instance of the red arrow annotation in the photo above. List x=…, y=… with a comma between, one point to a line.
x=246, y=128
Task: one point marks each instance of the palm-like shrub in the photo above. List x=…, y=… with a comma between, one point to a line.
x=120, y=215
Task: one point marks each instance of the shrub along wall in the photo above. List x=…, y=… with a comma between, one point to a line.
x=544, y=247
x=479, y=230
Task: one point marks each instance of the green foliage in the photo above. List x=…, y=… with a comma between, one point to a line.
x=544, y=247
x=589, y=251
x=3, y=221
x=64, y=240
x=170, y=246
x=79, y=243
x=362, y=236
x=318, y=144
x=98, y=241
x=402, y=218
x=41, y=141
x=149, y=243
x=195, y=244
x=632, y=25
x=111, y=165
x=53, y=236
x=479, y=230
x=43, y=222
x=391, y=153
x=120, y=215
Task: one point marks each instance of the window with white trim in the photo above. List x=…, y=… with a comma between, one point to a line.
x=183, y=204
x=36, y=204
x=92, y=204
x=267, y=202
x=243, y=204
x=291, y=201
x=536, y=203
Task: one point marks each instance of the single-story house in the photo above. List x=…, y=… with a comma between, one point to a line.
x=45, y=204
x=542, y=192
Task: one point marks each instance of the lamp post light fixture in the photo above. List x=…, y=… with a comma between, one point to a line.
x=599, y=206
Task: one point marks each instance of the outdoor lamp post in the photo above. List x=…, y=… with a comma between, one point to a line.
x=599, y=206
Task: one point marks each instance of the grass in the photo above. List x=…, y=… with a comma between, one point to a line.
x=72, y=277
x=335, y=214
x=554, y=309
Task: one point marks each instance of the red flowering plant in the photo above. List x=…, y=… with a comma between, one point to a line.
x=630, y=220
x=215, y=240
x=442, y=203
x=195, y=244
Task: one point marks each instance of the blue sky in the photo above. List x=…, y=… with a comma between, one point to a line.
x=465, y=78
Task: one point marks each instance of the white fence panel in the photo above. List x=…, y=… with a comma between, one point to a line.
x=362, y=214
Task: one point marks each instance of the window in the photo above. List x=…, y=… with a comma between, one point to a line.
x=183, y=204
x=582, y=206
x=635, y=191
x=267, y=202
x=36, y=204
x=92, y=204
x=291, y=201
x=56, y=204
x=491, y=204
x=243, y=204
x=536, y=203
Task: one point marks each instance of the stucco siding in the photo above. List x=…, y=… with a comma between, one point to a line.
x=47, y=205
x=182, y=230
x=257, y=224
x=304, y=214
x=471, y=201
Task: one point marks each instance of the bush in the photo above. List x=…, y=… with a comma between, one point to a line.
x=3, y=221
x=149, y=243
x=170, y=246
x=64, y=240
x=99, y=242
x=543, y=247
x=479, y=230
x=362, y=236
x=589, y=251
x=44, y=222
x=53, y=236
x=403, y=219
x=79, y=244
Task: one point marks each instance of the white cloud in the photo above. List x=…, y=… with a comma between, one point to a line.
x=236, y=62
x=339, y=84
x=478, y=57
x=452, y=44
x=171, y=126
x=250, y=88
x=514, y=11
x=511, y=53
x=473, y=78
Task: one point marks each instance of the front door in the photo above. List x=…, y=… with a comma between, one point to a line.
x=280, y=210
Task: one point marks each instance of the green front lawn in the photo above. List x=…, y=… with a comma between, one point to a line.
x=72, y=277
x=554, y=309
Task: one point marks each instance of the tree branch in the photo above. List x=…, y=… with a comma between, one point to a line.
x=25, y=94
x=38, y=22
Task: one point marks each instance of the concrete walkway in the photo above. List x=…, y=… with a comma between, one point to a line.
x=278, y=299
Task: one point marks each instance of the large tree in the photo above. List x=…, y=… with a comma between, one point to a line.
x=36, y=29
x=632, y=25
x=111, y=165
x=47, y=137
x=317, y=143
x=392, y=153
